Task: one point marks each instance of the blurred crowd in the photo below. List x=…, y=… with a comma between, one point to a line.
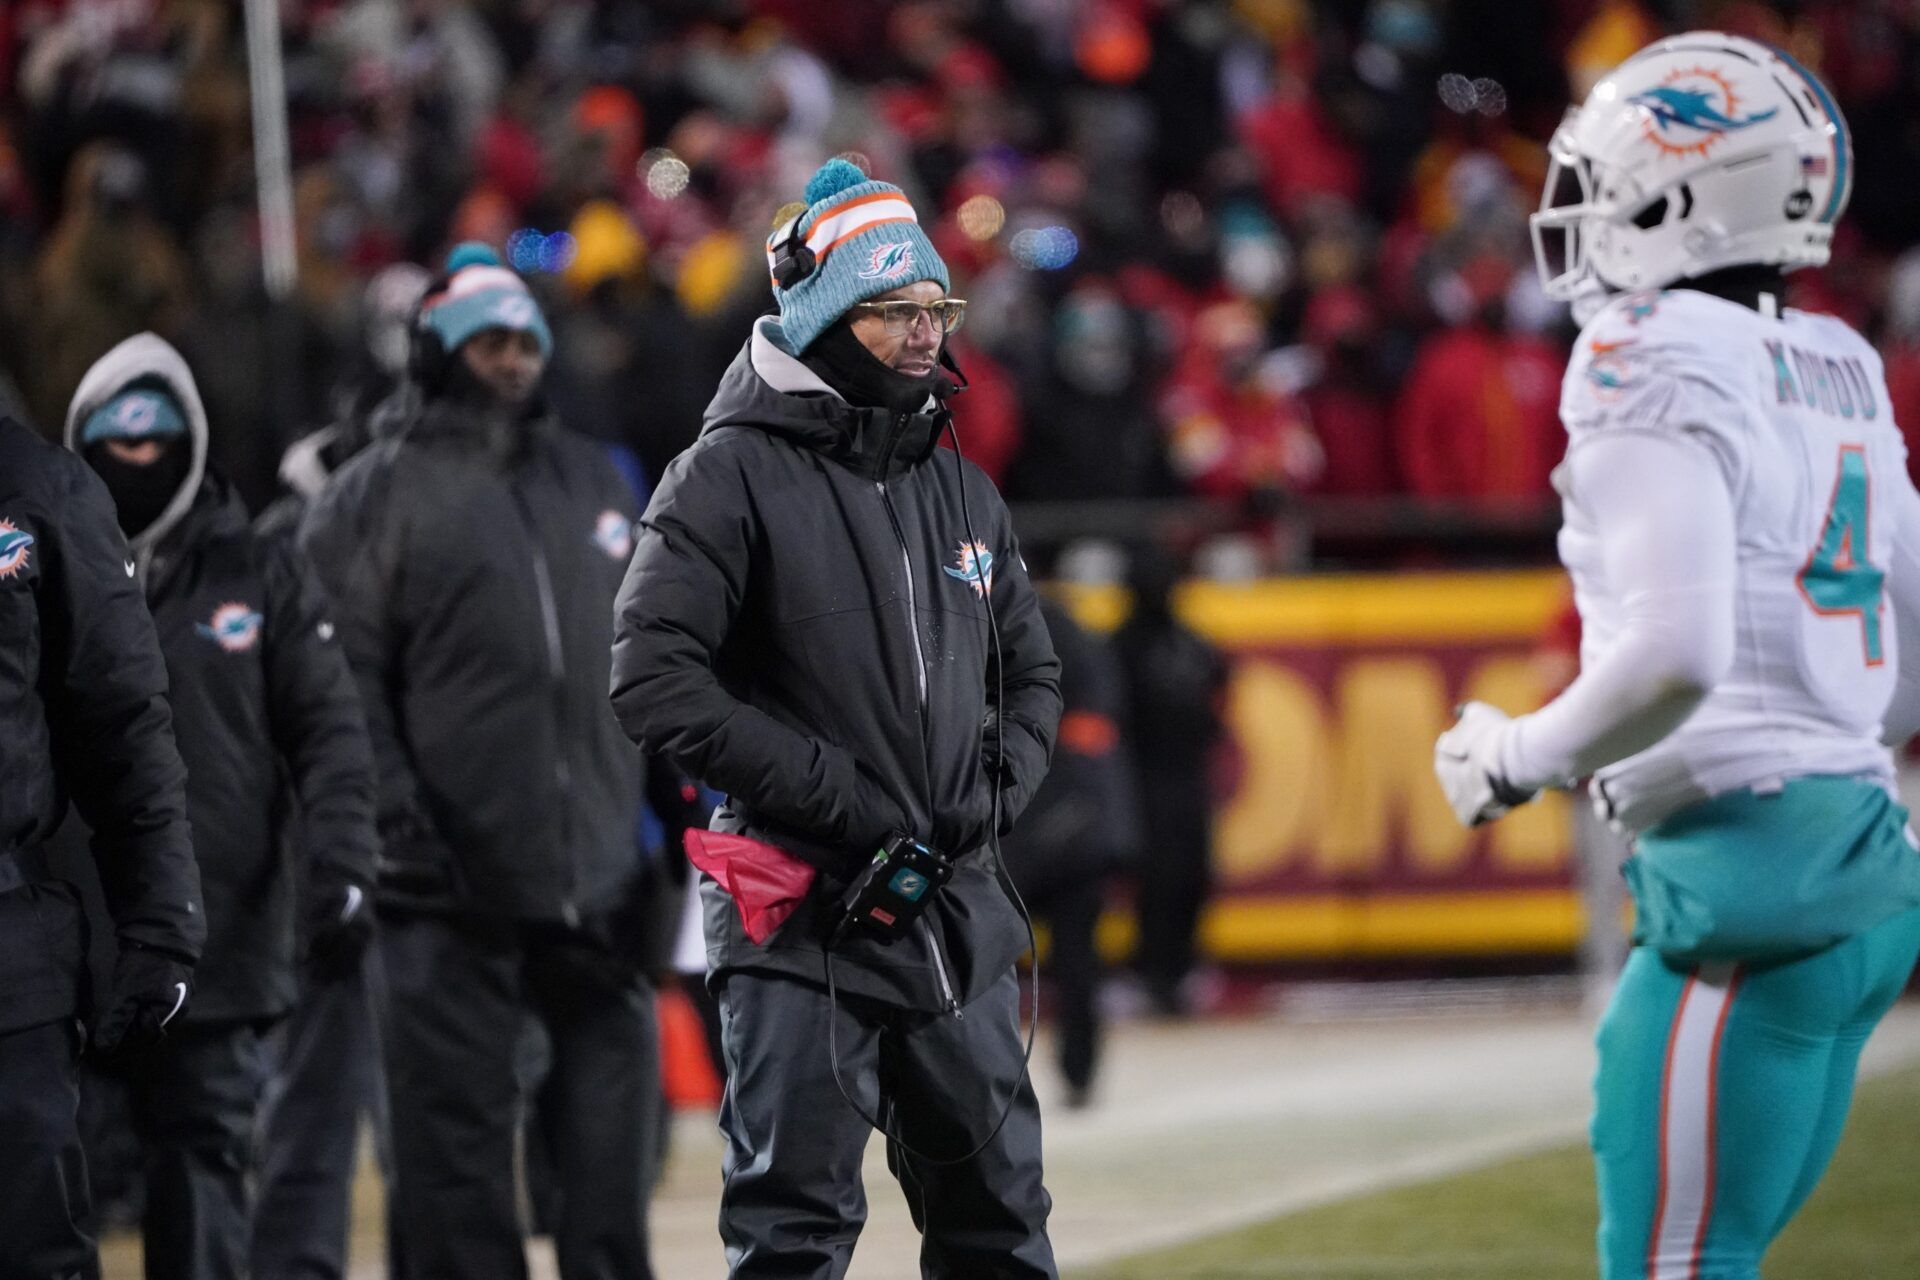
x=1235, y=249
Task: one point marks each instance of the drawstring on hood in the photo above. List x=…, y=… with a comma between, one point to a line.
x=146, y=357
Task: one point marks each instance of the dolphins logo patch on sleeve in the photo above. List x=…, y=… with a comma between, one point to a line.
x=16, y=550
x=973, y=564
x=1692, y=109
x=613, y=534
x=234, y=627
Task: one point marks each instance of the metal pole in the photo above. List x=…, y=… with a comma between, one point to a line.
x=272, y=158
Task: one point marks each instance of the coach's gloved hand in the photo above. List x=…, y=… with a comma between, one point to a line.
x=1467, y=762
x=339, y=924
x=150, y=989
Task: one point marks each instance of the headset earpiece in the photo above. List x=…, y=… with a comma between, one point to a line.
x=793, y=261
x=426, y=354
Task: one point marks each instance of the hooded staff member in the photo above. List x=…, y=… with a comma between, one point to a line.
x=474, y=557
x=809, y=627
x=258, y=687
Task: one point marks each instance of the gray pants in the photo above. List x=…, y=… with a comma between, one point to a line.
x=326, y=1077
x=793, y=1203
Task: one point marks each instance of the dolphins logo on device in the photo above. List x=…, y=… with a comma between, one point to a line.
x=16, y=547
x=235, y=627
x=1692, y=109
x=973, y=564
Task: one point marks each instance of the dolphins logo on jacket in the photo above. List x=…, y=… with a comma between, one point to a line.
x=234, y=627
x=16, y=546
x=973, y=564
x=1692, y=109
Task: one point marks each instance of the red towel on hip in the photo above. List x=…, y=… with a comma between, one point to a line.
x=764, y=881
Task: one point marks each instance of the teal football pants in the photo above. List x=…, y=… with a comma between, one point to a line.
x=1721, y=1093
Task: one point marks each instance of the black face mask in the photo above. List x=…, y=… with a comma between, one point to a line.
x=844, y=364
x=141, y=493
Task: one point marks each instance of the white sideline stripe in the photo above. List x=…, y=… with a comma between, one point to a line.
x=1441, y=1162
x=1687, y=1123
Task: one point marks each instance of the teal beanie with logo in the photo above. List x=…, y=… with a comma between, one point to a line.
x=480, y=294
x=865, y=239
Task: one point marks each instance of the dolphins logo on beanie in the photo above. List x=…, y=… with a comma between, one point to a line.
x=482, y=294
x=865, y=241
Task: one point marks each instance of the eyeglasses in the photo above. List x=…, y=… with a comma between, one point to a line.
x=901, y=318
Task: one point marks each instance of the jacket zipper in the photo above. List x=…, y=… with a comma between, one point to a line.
x=913, y=604
x=951, y=1002
x=557, y=668
x=940, y=967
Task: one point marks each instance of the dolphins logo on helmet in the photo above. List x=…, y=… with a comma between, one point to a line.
x=234, y=627
x=1692, y=109
x=889, y=261
x=973, y=564
x=16, y=547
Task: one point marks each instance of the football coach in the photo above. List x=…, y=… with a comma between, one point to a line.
x=828, y=620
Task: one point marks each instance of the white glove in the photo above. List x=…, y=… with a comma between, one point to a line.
x=1467, y=761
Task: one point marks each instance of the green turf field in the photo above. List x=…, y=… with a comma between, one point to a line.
x=1533, y=1219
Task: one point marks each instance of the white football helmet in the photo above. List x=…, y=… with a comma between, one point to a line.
x=1699, y=152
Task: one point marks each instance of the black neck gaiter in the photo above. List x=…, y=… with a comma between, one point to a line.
x=141, y=493
x=849, y=368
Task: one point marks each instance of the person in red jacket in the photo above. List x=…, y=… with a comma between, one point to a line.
x=1233, y=433
x=1477, y=417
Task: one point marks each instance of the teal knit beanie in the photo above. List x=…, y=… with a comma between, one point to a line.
x=865, y=241
x=480, y=294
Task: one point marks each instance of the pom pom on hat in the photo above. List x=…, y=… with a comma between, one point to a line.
x=833, y=177
x=471, y=253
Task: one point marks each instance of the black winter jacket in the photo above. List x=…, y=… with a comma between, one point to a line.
x=803, y=628
x=474, y=590
x=83, y=713
x=261, y=697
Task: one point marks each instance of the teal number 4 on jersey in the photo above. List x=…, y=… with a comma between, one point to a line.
x=1837, y=578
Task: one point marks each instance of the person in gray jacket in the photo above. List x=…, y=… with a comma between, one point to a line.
x=805, y=627
x=473, y=558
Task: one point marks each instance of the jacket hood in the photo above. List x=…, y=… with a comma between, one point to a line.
x=147, y=356
x=769, y=389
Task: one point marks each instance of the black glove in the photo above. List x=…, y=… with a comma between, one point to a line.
x=150, y=989
x=340, y=924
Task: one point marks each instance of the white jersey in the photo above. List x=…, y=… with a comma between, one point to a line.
x=1795, y=411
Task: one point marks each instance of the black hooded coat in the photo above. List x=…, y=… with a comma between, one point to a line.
x=804, y=628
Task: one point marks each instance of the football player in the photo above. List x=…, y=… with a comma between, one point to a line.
x=1745, y=549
